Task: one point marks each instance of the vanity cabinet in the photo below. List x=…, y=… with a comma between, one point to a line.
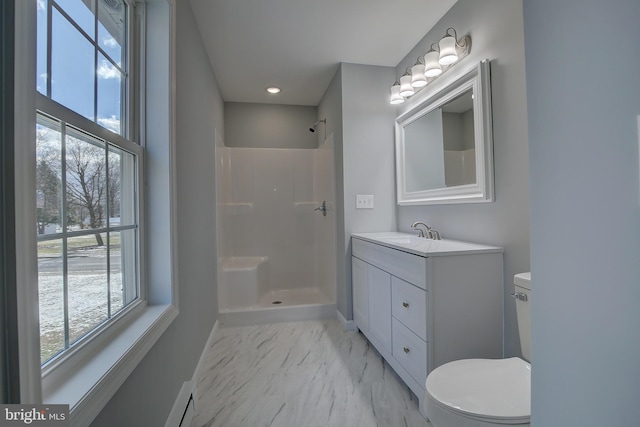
x=423, y=304
x=372, y=291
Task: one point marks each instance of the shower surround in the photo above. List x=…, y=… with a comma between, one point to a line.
x=276, y=250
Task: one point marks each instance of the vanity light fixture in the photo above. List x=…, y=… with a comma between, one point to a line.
x=396, y=98
x=440, y=57
x=418, y=79
x=405, y=84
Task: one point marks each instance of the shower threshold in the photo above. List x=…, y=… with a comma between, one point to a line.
x=286, y=305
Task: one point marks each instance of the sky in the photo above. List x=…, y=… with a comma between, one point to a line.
x=73, y=63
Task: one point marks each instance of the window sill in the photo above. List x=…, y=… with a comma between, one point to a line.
x=92, y=383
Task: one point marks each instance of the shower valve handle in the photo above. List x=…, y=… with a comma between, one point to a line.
x=323, y=208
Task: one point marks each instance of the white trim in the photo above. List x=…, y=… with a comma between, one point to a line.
x=95, y=381
x=476, y=79
x=57, y=111
x=203, y=358
x=183, y=406
x=173, y=180
x=638, y=158
x=25, y=173
x=347, y=325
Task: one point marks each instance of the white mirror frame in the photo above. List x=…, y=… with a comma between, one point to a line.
x=477, y=79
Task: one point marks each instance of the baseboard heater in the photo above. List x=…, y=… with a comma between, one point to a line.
x=183, y=408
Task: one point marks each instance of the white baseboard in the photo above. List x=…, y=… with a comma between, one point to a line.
x=347, y=325
x=202, y=360
x=183, y=408
x=184, y=405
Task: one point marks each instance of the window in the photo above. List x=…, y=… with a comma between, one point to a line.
x=87, y=233
x=82, y=58
x=87, y=172
x=92, y=369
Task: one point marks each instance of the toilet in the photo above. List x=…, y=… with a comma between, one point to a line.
x=486, y=392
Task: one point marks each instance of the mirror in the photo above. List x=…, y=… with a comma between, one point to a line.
x=444, y=144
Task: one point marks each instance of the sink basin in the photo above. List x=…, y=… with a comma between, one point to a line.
x=413, y=240
x=423, y=246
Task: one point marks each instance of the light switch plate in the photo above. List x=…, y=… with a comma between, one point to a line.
x=364, y=201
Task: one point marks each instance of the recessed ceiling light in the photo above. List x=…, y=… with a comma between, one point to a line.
x=273, y=89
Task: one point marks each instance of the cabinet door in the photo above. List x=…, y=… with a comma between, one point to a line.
x=380, y=307
x=360, y=293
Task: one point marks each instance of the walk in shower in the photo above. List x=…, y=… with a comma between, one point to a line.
x=276, y=244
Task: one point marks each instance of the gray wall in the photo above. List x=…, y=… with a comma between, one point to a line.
x=496, y=28
x=148, y=394
x=585, y=210
x=367, y=161
x=270, y=125
x=330, y=107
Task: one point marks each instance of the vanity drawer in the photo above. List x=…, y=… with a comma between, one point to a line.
x=410, y=351
x=409, y=267
x=409, y=306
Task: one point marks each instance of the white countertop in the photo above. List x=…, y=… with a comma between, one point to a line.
x=425, y=247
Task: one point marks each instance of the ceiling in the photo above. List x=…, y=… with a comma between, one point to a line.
x=297, y=45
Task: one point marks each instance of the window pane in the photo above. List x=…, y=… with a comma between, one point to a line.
x=122, y=185
x=51, y=298
x=123, y=270
x=81, y=11
x=41, y=59
x=87, y=283
x=109, y=95
x=72, y=67
x=48, y=177
x=112, y=25
x=86, y=182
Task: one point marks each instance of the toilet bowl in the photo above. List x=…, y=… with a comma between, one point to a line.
x=485, y=392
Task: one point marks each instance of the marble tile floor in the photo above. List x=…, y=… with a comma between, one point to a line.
x=302, y=374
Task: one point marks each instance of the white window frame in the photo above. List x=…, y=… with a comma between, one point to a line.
x=68, y=358
x=105, y=363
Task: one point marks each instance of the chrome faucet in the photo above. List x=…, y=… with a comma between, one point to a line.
x=427, y=233
x=421, y=233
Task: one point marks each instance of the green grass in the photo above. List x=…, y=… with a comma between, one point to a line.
x=54, y=247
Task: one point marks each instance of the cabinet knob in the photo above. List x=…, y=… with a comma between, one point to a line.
x=405, y=304
x=405, y=349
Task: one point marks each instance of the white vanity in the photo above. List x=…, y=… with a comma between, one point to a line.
x=423, y=302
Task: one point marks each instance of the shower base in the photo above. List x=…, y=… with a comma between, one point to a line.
x=286, y=305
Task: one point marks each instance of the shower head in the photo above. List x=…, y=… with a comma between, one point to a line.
x=315, y=125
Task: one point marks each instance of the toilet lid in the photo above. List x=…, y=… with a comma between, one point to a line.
x=483, y=388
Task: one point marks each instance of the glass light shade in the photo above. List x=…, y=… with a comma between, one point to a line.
x=432, y=67
x=448, y=54
x=395, y=95
x=418, y=79
x=405, y=86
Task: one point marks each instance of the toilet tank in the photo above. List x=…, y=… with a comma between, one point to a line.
x=522, y=284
